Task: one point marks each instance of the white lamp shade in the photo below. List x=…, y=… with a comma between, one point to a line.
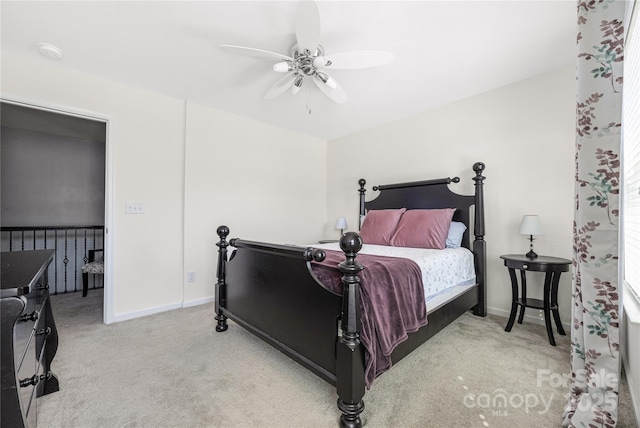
x=341, y=223
x=531, y=225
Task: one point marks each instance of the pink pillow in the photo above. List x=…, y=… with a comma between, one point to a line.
x=423, y=229
x=380, y=225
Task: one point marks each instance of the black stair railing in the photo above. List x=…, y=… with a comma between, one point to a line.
x=72, y=245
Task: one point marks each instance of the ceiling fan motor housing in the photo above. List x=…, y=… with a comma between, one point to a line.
x=304, y=61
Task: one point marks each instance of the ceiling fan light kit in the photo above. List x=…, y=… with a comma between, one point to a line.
x=283, y=67
x=326, y=79
x=307, y=59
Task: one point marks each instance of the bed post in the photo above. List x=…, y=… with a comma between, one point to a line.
x=361, y=190
x=350, y=383
x=221, y=292
x=479, y=244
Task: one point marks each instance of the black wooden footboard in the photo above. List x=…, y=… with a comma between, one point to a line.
x=272, y=291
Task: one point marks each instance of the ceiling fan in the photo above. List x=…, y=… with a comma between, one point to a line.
x=307, y=60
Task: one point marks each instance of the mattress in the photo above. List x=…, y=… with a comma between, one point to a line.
x=445, y=273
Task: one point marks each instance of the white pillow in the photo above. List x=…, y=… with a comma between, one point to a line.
x=454, y=238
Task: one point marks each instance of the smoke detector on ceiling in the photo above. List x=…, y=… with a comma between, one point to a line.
x=50, y=51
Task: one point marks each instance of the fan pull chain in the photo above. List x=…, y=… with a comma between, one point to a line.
x=308, y=106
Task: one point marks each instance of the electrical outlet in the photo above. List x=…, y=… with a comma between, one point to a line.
x=134, y=208
x=191, y=277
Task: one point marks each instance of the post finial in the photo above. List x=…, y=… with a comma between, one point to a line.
x=351, y=242
x=223, y=231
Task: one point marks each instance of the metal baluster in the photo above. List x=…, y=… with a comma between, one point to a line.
x=66, y=259
x=55, y=244
x=93, y=275
x=75, y=260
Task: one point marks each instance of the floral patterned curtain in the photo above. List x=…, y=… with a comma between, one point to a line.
x=595, y=357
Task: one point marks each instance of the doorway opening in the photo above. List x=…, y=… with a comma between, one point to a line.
x=54, y=191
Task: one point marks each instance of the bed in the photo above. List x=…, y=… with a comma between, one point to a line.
x=274, y=290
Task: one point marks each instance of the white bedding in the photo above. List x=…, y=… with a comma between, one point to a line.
x=450, y=269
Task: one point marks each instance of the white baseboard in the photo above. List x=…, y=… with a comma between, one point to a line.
x=527, y=317
x=197, y=302
x=158, y=309
x=137, y=314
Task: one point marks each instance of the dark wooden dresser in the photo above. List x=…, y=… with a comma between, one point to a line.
x=29, y=338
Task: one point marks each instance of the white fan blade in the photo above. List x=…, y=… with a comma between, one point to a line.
x=338, y=95
x=308, y=26
x=354, y=59
x=254, y=53
x=280, y=86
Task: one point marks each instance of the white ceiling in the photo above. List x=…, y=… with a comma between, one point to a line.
x=443, y=51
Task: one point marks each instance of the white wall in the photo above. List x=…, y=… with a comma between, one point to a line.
x=265, y=183
x=524, y=133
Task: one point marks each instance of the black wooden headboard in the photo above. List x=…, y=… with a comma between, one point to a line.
x=432, y=194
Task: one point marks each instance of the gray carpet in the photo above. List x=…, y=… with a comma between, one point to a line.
x=173, y=370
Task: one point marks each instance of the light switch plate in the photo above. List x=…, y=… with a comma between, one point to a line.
x=134, y=208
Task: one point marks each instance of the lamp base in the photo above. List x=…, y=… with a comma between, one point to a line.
x=531, y=254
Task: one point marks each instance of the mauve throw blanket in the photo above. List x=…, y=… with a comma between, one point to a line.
x=393, y=303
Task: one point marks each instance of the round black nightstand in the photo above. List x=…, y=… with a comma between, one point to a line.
x=553, y=267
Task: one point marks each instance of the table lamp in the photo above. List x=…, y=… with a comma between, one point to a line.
x=341, y=224
x=530, y=225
